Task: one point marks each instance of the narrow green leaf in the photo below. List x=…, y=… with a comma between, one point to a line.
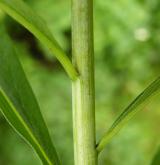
x=23, y=14
x=19, y=106
x=156, y=158
x=129, y=112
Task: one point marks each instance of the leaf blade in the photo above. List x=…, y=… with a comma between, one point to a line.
x=23, y=14
x=129, y=112
x=19, y=106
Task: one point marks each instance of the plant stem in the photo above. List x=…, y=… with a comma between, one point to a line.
x=83, y=88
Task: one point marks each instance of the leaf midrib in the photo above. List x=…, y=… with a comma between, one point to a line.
x=25, y=126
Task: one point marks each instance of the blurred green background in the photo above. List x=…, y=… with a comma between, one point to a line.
x=127, y=59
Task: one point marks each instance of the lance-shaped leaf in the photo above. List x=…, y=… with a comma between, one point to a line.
x=19, y=106
x=156, y=158
x=129, y=112
x=23, y=14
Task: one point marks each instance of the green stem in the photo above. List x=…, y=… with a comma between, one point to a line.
x=83, y=88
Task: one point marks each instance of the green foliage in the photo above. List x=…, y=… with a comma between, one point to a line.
x=24, y=15
x=18, y=103
x=129, y=112
x=125, y=63
x=156, y=159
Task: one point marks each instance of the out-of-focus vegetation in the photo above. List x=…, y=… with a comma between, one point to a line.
x=127, y=38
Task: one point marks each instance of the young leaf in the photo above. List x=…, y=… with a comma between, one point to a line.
x=128, y=113
x=156, y=159
x=23, y=14
x=19, y=106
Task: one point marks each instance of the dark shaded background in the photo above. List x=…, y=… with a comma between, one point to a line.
x=127, y=59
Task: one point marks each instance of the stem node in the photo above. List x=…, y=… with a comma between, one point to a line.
x=83, y=88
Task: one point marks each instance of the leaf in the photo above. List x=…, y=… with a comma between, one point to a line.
x=156, y=159
x=128, y=113
x=23, y=14
x=19, y=106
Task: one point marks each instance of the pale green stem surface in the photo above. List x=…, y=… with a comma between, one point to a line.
x=83, y=88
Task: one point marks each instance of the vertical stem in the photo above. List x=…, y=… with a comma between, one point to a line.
x=83, y=87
